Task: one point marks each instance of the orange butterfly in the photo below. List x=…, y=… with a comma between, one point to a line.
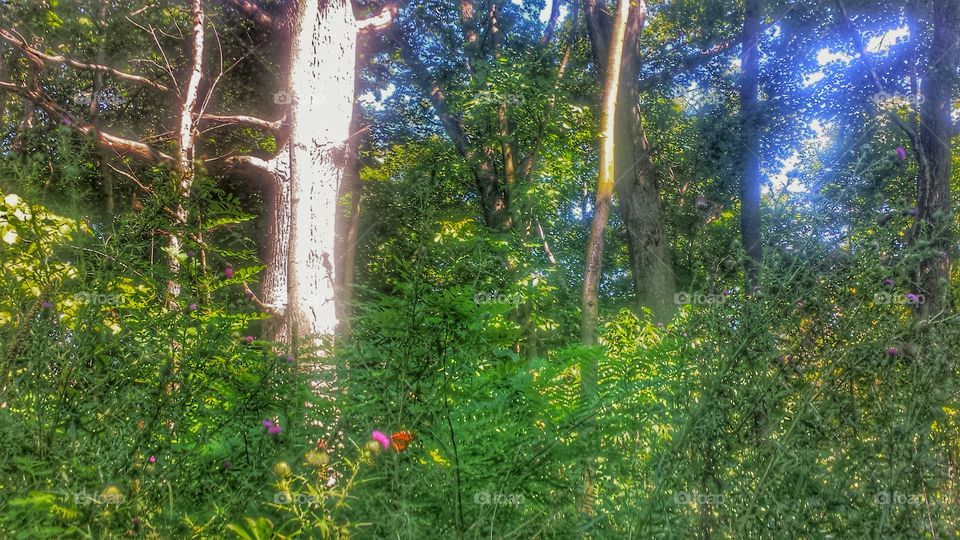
x=400, y=440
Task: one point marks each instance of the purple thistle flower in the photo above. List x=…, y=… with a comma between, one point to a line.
x=228, y=272
x=888, y=282
x=191, y=253
x=152, y=459
x=136, y=522
x=192, y=307
x=227, y=465
x=912, y=211
x=727, y=292
x=267, y=423
x=46, y=305
x=380, y=438
x=901, y=153
x=249, y=340
x=912, y=298
x=892, y=351
x=290, y=359
x=274, y=429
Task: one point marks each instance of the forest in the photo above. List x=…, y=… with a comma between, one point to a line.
x=464, y=269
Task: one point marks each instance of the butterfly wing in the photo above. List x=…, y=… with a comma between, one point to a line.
x=400, y=440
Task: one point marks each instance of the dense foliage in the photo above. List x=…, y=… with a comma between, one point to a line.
x=817, y=405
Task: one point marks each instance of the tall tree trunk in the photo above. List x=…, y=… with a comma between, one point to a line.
x=651, y=258
x=594, y=270
x=273, y=286
x=186, y=142
x=749, y=133
x=321, y=90
x=651, y=255
x=934, y=216
x=105, y=173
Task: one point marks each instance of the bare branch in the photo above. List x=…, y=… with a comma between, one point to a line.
x=153, y=33
x=39, y=56
x=121, y=146
x=273, y=126
x=249, y=165
x=380, y=21
x=266, y=308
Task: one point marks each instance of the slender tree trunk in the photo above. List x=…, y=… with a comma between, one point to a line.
x=594, y=270
x=274, y=287
x=105, y=173
x=605, y=181
x=348, y=224
x=492, y=192
x=934, y=216
x=749, y=119
x=186, y=142
x=503, y=127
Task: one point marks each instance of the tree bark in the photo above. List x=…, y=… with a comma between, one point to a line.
x=638, y=192
x=551, y=22
x=934, y=216
x=749, y=118
x=650, y=252
x=321, y=90
x=186, y=142
x=605, y=183
x=274, y=284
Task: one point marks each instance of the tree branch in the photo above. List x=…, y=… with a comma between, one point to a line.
x=40, y=57
x=530, y=161
x=380, y=21
x=698, y=59
x=690, y=62
x=489, y=186
x=451, y=124
x=272, y=126
x=865, y=59
x=467, y=20
x=552, y=22
x=266, y=308
x=253, y=11
x=121, y=146
x=243, y=164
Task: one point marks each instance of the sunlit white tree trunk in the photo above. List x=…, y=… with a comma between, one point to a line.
x=306, y=176
x=186, y=143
